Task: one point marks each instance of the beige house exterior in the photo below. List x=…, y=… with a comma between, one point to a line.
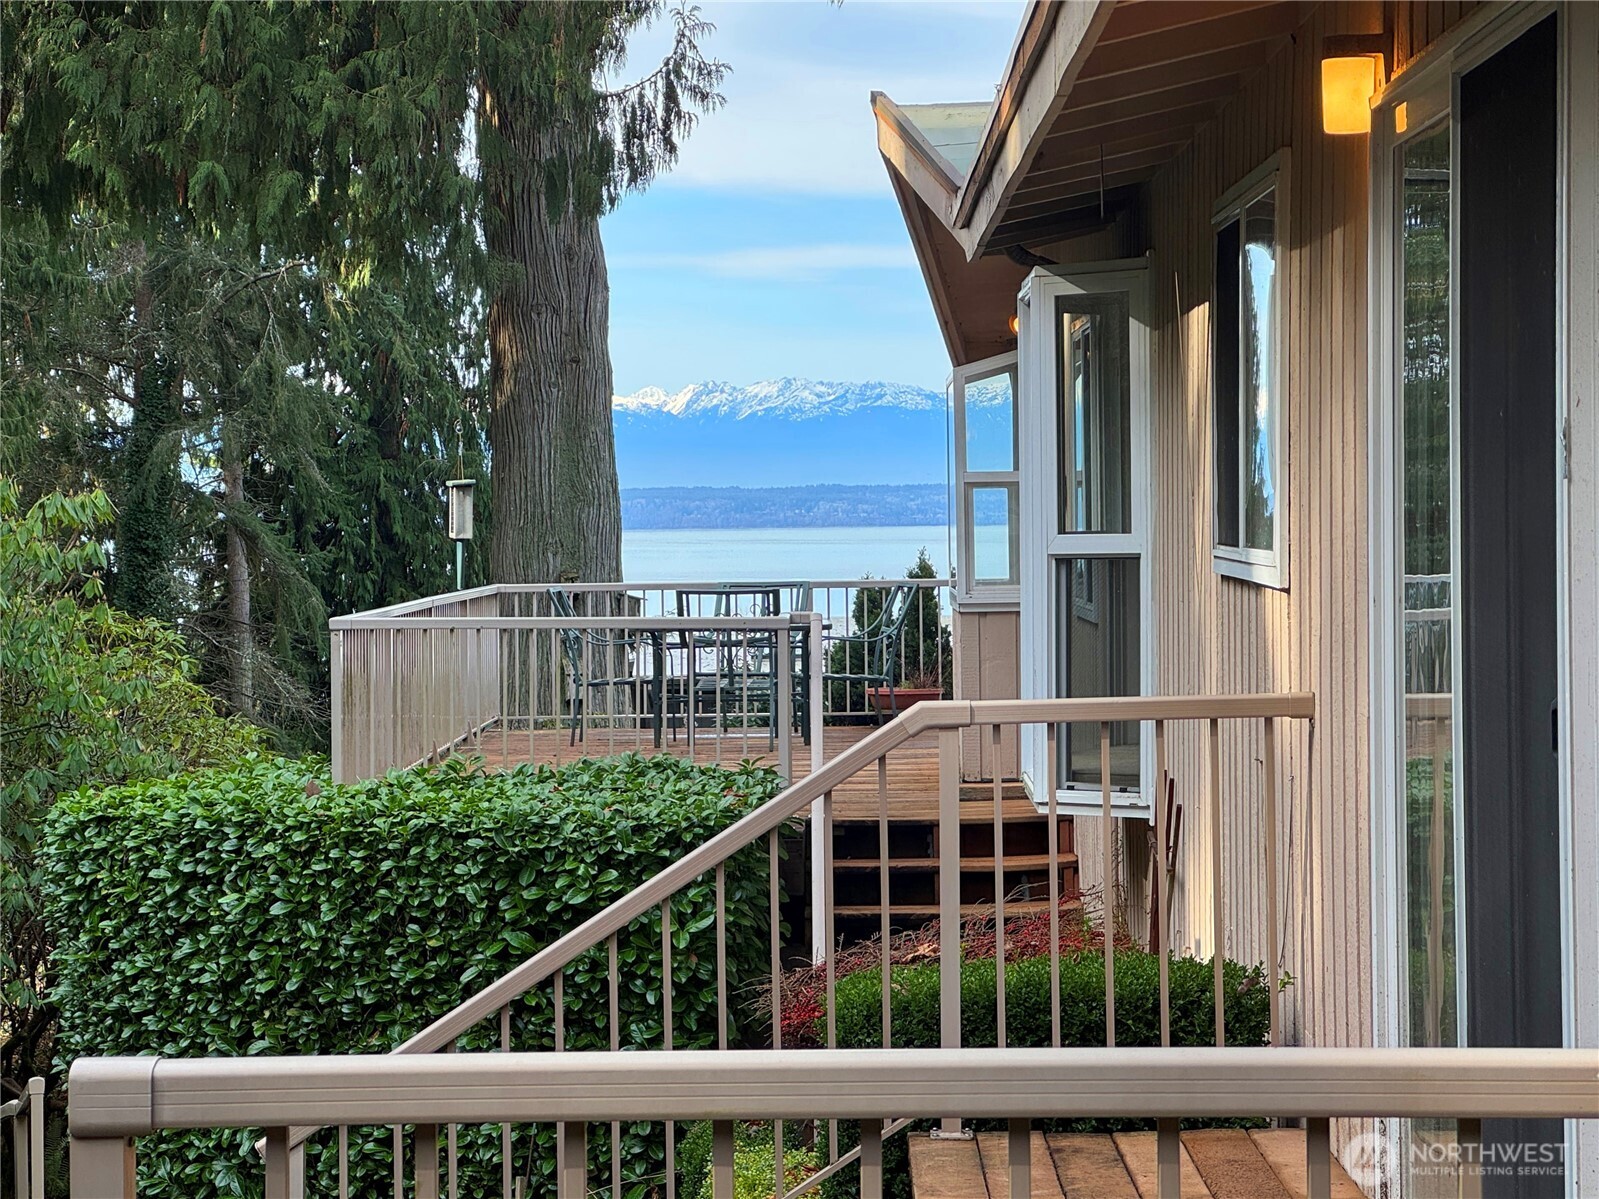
x=1119, y=136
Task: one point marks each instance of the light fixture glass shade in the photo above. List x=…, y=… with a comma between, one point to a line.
x=1347, y=86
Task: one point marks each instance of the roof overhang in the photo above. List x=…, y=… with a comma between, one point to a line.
x=1098, y=96
x=972, y=298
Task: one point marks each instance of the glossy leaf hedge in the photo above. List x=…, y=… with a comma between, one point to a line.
x=915, y=1006
x=231, y=912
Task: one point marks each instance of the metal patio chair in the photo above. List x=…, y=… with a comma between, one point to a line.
x=871, y=655
x=603, y=649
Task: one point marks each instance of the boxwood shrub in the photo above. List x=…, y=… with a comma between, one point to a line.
x=915, y=1007
x=263, y=910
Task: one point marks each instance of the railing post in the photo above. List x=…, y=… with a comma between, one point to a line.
x=816, y=701
x=336, y=701
x=1019, y=1154
x=949, y=902
x=819, y=831
x=782, y=713
x=1318, y=1158
x=572, y=1181
x=285, y=1166
x=1168, y=1159
x=871, y=1160
x=103, y=1168
x=1468, y=1138
x=722, y=1159
x=427, y=1161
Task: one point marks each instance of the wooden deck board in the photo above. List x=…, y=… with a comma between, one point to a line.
x=1231, y=1165
x=951, y=1169
x=993, y=1148
x=1138, y=1154
x=1284, y=1151
x=912, y=768
x=1089, y=1166
x=1220, y=1163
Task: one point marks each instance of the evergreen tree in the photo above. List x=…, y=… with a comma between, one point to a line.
x=354, y=133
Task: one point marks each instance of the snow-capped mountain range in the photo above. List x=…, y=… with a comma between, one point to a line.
x=781, y=432
x=796, y=399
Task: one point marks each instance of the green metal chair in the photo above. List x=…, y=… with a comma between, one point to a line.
x=579, y=682
x=871, y=656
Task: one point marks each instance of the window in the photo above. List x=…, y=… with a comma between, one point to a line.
x=986, y=482
x=1247, y=381
x=1084, y=451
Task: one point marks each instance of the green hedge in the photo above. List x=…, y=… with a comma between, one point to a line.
x=229, y=912
x=915, y=1015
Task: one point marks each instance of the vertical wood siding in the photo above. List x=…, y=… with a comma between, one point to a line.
x=1214, y=634
x=987, y=666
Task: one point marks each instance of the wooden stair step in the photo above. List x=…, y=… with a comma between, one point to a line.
x=1013, y=861
x=930, y=911
x=921, y=807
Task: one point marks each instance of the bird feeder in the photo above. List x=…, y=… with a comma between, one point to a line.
x=459, y=520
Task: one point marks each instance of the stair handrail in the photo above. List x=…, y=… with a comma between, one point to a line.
x=925, y=717
x=928, y=716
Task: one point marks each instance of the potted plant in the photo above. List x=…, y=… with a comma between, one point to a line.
x=911, y=690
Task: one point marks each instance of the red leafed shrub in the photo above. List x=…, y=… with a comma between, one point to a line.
x=803, y=1002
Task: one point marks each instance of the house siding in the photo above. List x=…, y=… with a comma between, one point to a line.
x=1215, y=634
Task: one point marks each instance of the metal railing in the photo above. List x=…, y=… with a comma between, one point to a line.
x=25, y=1114
x=591, y=950
x=498, y=668
x=117, y=1099
x=417, y=687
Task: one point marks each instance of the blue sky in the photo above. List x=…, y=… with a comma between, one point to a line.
x=776, y=247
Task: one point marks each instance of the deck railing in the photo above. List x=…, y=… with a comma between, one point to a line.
x=24, y=1138
x=498, y=669
x=115, y=1100
x=590, y=951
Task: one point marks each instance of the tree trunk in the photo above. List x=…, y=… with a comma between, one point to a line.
x=146, y=534
x=557, y=511
x=240, y=638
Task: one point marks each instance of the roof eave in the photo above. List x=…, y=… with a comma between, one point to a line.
x=1055, y=41
x=915, y=159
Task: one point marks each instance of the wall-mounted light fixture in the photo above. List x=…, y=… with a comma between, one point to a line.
x=1351, y=72
x=1014, y=324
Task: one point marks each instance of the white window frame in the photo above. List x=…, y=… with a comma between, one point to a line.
x=1426, y=90
x=970, y=592
x=1269, y=568
x=1043, y=546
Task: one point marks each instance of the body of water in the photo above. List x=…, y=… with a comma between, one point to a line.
x=746, y=555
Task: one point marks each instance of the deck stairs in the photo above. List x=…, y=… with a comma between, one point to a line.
x=1220, y=1163
x=915, y=851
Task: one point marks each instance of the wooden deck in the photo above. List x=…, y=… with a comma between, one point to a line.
x=912, y=768
x=1216, y=1164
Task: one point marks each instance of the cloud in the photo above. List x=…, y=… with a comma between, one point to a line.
x=798, y=116
x=791, y=264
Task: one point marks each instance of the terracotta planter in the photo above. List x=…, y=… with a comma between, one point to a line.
x=903, y=698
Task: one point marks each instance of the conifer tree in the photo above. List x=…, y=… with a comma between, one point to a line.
x=361, y=134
